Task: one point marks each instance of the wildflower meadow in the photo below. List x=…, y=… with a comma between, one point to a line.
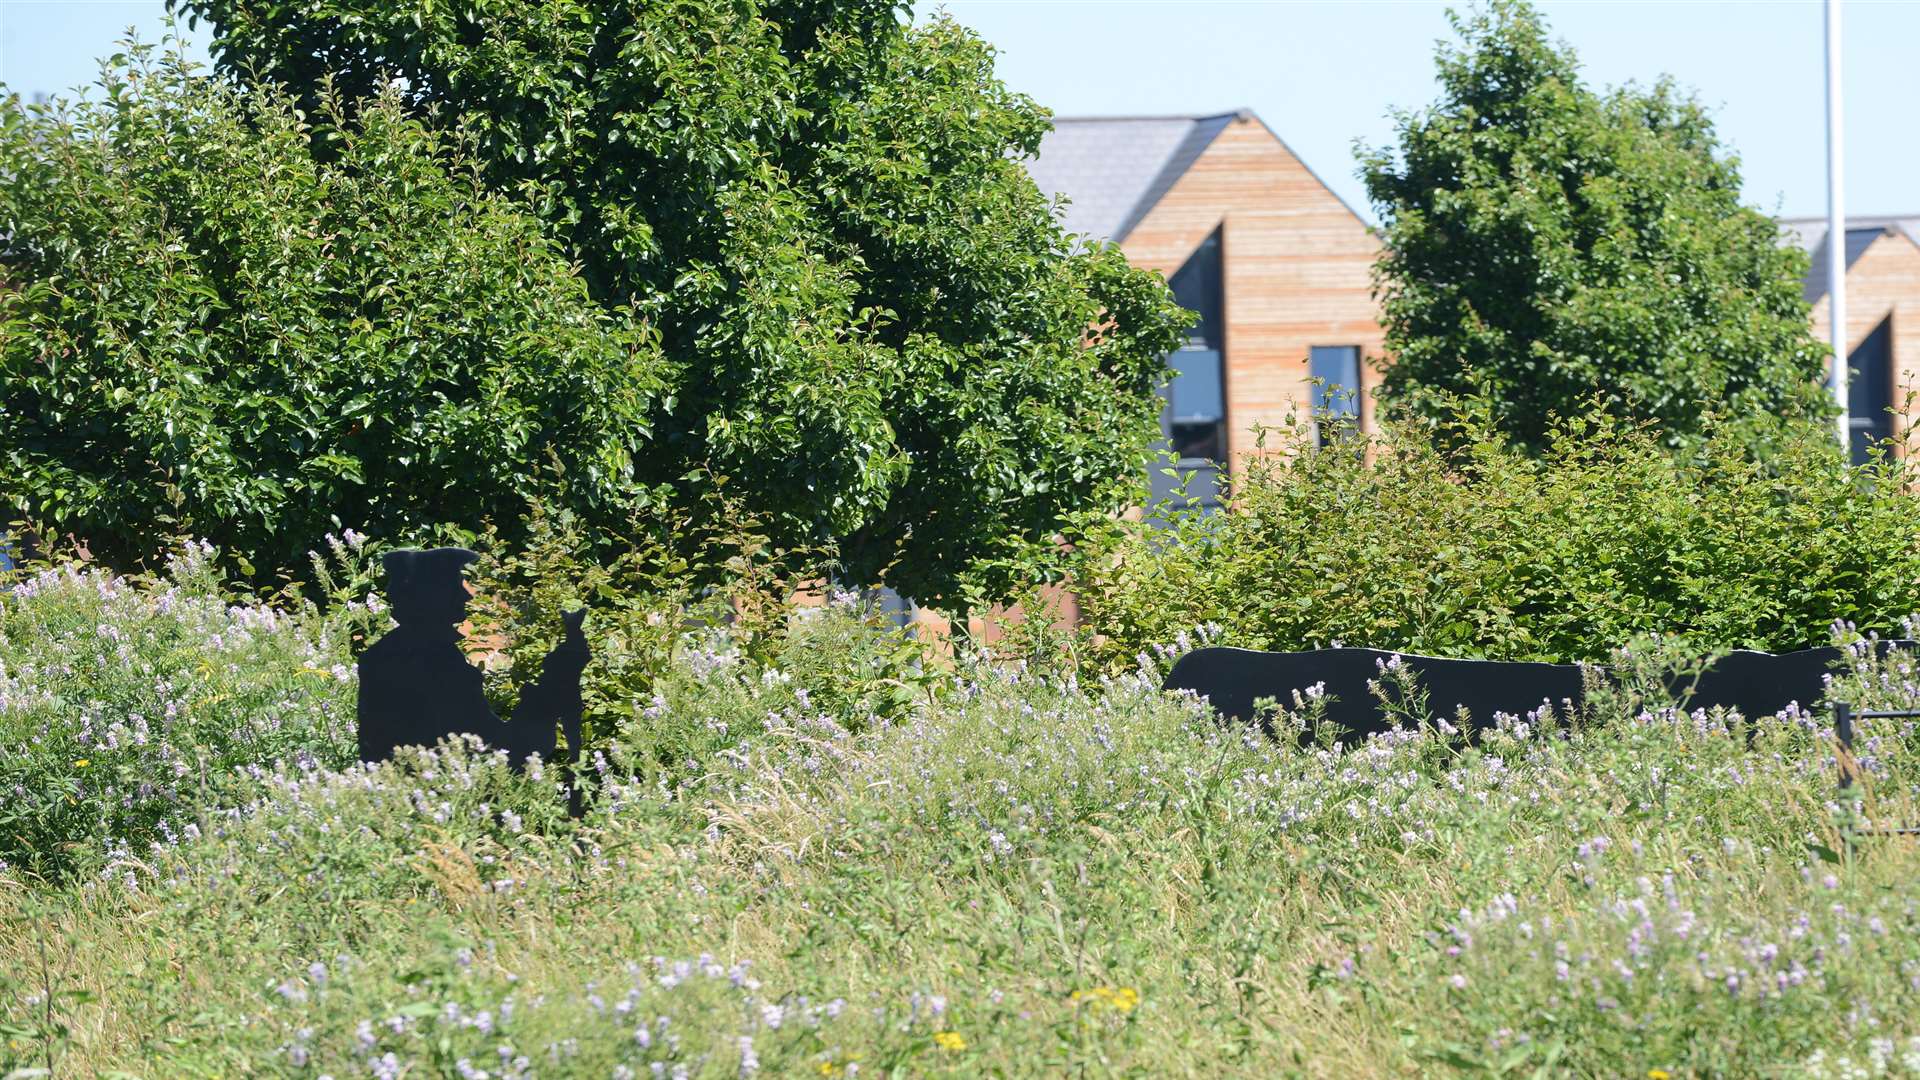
x=1015, y=868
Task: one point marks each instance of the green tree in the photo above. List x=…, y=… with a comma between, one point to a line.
x=1547, y=246
x=884, y=335
x=204, y=329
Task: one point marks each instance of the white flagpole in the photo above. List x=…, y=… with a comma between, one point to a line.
x=1836, y=224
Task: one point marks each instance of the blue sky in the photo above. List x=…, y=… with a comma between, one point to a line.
x=1324, y=74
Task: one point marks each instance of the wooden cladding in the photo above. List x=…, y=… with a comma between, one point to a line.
x=1296, y=262
x=1882, y=284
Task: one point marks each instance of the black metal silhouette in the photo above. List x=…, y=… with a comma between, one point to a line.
x=416, y=686
x=1844, y=715
x=1233, y=679
x=1754, y=683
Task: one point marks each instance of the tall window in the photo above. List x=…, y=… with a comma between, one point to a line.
x=1336, y=391
x=1870, y=391
x=1194, y=417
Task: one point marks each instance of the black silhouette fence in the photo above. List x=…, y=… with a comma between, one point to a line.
x=1234, y=680
x=1753, y=683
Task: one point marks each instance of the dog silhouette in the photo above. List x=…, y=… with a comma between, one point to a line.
x=553, y=701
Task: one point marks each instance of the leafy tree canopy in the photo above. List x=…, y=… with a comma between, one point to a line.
x=1547, y=246
x=881, y=333
x=205, y=329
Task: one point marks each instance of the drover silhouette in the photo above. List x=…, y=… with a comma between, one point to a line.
x=416, y=686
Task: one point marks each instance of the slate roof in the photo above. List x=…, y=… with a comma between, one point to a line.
x=1115, y=168
x=1811, y=235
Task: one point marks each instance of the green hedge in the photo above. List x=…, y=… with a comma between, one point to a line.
x=1483, y=551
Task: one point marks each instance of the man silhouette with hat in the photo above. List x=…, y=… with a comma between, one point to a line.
x=416, y=686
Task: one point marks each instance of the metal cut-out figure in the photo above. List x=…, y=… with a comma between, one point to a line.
x=416, y=686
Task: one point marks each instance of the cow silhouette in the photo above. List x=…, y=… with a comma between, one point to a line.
x=1756, y=684
x=417, y=687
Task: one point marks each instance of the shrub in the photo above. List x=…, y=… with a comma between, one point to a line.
x=209, y=327
x=835, y=669
x=678, y=673
x=1397, y=543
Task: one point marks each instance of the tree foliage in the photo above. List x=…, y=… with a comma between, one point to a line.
x=204, y=328
x=882, y=331
x=1548, y=245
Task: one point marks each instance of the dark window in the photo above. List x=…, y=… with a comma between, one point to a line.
x=1196, y=286
x=1196, y=404
x=1194, y=418
x=1870, y=391
x=1336, y=390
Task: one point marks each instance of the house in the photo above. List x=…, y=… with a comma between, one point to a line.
x=1276, y=268
x=1883, y=316
x=1274, y=264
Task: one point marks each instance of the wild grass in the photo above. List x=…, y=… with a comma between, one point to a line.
x=1023, y=873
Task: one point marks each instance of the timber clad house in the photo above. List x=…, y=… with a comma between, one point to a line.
x=1883, y=316
x=1277, y=268
x=1273, y=263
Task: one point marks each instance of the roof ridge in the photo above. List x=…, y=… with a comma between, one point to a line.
x=1821, y=218
x=1114, y=172
x=1141, y=117
x=1200, y=135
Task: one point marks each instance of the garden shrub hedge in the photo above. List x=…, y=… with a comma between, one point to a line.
x=1449, y=540
x=209, y=329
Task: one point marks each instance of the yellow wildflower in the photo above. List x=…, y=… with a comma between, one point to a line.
x=1120, y=999
x=949, y=1040
x=1659, y=1074
x=82, y=763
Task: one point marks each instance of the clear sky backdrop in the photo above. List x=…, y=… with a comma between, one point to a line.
x=1323, y=74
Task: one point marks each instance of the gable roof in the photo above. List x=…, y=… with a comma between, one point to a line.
x=1115, y=168
x=1810, y=234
